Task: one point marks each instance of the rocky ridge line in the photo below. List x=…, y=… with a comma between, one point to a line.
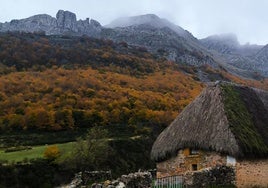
x=64, y=23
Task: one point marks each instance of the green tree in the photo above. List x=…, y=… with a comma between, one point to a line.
x=91, y=152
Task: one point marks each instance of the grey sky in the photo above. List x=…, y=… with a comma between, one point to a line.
x=246, y=18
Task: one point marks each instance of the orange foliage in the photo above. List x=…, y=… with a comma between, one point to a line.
x=52, y=152
x=262, y=84
x=57, y=99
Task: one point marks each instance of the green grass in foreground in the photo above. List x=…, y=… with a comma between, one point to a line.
x=35, y=152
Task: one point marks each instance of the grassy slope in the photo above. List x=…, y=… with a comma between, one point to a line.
x=38, y=151
x=35, y=152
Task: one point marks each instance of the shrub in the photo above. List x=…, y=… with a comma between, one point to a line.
x=52, y=152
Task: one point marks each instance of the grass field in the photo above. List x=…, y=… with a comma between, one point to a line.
x=35, y=152
x=38, y=142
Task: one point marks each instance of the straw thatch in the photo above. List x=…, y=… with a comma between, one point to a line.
x=225, y=118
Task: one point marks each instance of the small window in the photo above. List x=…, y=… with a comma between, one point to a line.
x=194, y=167
x=194, y=152
x=231, y=160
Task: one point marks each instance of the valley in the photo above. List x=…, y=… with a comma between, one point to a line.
x=100, y=95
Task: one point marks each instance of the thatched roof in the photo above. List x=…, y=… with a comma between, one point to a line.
x=225, y=118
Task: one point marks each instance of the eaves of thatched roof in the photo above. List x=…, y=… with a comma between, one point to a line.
x=225, y=118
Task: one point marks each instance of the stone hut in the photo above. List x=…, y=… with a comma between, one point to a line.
x=226, y=125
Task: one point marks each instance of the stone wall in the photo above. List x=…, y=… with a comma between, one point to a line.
x=252, y=173
x=132, y=180
x=248, y=173
x=218, y=176
x=183, y=162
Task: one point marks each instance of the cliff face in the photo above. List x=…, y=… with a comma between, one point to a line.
x=64, y=23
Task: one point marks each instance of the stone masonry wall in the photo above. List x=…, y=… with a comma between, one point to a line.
x=248, y=173
x=183, y=162
x=210, y=177
x=252, y=173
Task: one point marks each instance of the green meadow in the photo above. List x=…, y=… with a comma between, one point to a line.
x=33, y=153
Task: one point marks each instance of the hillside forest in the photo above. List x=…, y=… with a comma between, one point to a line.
x=47, y=86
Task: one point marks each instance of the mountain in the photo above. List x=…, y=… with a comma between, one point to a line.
x=231, y=52
x=262, y=58
x=228, y=44
x=224, y=44
x=158, y=36
x=64, y=23
x=150, y=20
x=165, y=39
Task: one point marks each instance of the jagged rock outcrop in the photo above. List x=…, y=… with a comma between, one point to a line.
x=64, y=23
x=37, y=23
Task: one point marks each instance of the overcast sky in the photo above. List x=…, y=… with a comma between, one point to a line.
x=248, y=19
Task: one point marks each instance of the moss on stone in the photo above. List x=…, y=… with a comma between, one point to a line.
x=241, y=123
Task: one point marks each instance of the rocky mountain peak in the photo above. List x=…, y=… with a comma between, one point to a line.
x=64, y=23
x=62, y=14
x=146, y=18
x=66, y=20
x=151, y=19
x=95, y=23
x=160, y=37
x=224, y=43
x=228, y=39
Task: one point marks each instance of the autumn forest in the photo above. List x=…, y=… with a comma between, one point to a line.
x=48, y=86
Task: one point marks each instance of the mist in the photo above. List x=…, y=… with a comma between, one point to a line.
x=245, y=18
